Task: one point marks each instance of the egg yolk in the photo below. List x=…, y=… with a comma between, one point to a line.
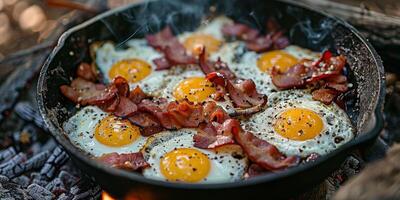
x=195, y=89
x=185, y=164
x=282, y=60
x=115, y=132
x=195, y=43
x=298, y=124
x=133, y=70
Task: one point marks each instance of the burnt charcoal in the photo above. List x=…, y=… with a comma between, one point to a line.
x=35, y=162
x=38, y=179
x=68, y=179
x=28, y=113
x=7, y=154
x=56, y=186
x=35, y=148
x=64, y=197
x=81, y=196
x=4, y=179
x=40, y=182
x=22, y=181
x=53, y=163
x=85, y=187
x=76, y=190
x=30, y=159
x=20, y=157
x=7, y=168
x=38, y=192
x=93, y=193
x=12, y=191
x=35, y=175
x=70, y=167
x=11, y=88
x=96, y=192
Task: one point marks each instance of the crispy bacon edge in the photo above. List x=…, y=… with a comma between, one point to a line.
x=324, y=75
x=114, y=98
x=128, y=161
x=87, y=72
x=242, y=92
x=216, y=130
x=263, y=153
x=275, y=39
x=174, y=52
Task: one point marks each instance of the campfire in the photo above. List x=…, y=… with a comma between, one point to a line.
x=33, y=165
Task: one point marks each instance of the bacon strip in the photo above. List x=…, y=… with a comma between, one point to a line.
x=137, y=95
x=162, y=63
x=87, y=72
x=325, y=96
x=216, y=129
x=213, y=135
x=111, y=105
x=240, y=31
x=129, y=161
x=214, y=113
x=125, y=107
x=209, y=67
x=263, y=153
x=174, y=115
x=85, y=92
x=186, y=114
x=255, y=170
x=162, y=39
x=122, y=85
x=174, y=52
x=260, y=44
x=113, y=98
x=243, y=93
x=293, y=78
x=326, y=75
x=149, y=124
x=275, y=39
x=214, y=123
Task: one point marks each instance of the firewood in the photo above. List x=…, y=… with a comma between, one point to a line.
x=379, y=180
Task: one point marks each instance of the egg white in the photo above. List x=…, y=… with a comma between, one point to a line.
x=228, y=163
x=178, y=74
x=337, y=125
x=244, y=63
x=301, y=53
x=107, y=55
x=211, y=27
x=80, y=130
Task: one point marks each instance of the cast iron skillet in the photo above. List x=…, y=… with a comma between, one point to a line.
x=306, y=27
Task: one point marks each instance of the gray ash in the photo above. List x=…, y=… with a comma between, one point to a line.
x=32, y=165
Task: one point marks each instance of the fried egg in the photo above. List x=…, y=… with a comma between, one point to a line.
x=97, y=132
x=172, y=157
x=251, y=65
x=298, y=125
x=134, y=63
x=190, y=83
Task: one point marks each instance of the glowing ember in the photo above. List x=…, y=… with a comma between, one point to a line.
x=106, y=196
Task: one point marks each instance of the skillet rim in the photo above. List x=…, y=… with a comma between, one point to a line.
x=360, y=140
